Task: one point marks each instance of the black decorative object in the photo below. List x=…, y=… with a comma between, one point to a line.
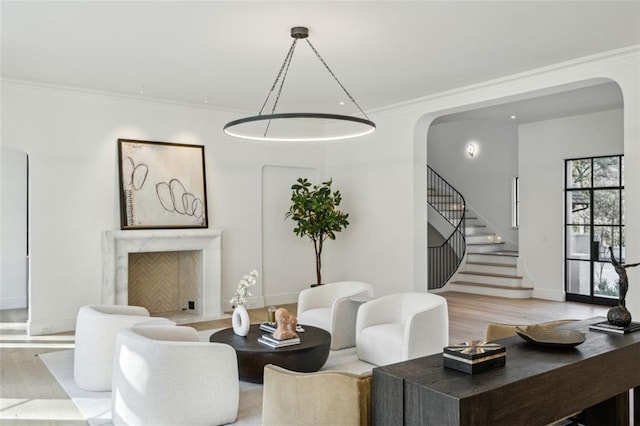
x=474, y=356
x=620, y=315
x=299, y=126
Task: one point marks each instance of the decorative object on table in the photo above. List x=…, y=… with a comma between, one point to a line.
x=240, y=318
x=265, y=326
x=286, y=325
x=549, y=336
x=475, y=356
x=162, y=185
x=620, y=315
x=300, y=126
x=272, y=342
x=610, y=328
x=314, y=209
x=271, y=315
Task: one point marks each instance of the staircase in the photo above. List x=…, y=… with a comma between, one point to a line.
x=489, y=269
x=478, y=262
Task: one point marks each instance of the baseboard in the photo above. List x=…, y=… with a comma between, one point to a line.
x=38, y=328
x=13, y=303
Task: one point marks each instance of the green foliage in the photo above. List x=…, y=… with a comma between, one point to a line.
x=313, y=209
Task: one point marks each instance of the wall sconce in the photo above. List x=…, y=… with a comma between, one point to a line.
x=471, y=149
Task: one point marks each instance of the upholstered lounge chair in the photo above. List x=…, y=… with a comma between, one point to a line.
x=330, y=307
x=321, y=398
x=166, y=376
x=96, y=330
x=402, y=326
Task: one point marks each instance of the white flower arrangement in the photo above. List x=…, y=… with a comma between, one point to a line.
x=242, y=292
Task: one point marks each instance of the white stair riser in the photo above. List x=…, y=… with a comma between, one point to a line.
x=491, y=269
x=482, y=239
x=489, y=291
x=473, y=230
x=483, y=279
x=483, y=248
x=490, y=258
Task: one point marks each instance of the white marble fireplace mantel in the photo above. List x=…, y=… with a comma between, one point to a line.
x=116, y=246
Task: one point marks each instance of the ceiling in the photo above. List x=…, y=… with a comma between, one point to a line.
x=226, y=54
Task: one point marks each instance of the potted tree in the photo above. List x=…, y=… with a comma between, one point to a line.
x=313, y=208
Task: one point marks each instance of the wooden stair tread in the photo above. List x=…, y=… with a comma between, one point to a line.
x=500, y=265
x=489, y=274
x=486, y=243
x=504, y=287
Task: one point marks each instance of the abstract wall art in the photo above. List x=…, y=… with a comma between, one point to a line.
x=162, y=185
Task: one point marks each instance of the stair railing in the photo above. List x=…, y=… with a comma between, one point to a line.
x=445, y=259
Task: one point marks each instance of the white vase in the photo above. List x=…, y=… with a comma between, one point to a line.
x=240, y=321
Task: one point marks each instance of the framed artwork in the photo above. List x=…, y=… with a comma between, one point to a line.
x=162, y=185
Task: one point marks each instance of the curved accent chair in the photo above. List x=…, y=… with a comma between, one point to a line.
x=495, y=330
x=402, y=326
x=329, y=306
x=96, y=330
x=320, y=398
x=166, y=376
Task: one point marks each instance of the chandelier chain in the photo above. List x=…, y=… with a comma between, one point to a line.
x=336, y=78
x=287, y=60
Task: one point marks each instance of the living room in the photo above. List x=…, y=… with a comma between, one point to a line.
x=70, y=133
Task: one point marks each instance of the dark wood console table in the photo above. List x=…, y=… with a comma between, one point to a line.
x=538, y=385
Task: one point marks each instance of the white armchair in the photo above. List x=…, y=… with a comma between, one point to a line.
x=166, y=376
x=330, y=307
x=96, y=330
x=402, y=326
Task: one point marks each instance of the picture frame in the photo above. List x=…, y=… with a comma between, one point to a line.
x=162, y=185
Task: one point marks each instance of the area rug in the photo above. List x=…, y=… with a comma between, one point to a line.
x=96, y=406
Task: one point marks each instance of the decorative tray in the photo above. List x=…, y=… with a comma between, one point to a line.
x=549, y=336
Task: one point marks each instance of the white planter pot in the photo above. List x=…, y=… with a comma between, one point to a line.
x=240, y=321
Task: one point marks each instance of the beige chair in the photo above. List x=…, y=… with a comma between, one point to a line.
x=402, y=326
x=167, y=376
x=495, y=330
x=321, y=398
x=330, y=307
x=96, y=330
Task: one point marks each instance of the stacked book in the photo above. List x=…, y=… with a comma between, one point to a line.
x=610, y=328
x=474, y=357
x=272, y=342
x=265, y=326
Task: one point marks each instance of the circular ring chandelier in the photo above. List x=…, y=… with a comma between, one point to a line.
x=299, y=126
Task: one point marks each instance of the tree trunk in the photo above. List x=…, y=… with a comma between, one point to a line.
x=317, y=245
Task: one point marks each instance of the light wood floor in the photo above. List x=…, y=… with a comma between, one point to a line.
x=29, y=392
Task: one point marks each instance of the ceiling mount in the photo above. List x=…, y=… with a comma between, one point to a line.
x=299, y=32
x=299, y=126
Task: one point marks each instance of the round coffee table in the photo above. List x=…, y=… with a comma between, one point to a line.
x=310, y=355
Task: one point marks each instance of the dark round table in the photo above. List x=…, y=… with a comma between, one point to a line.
x=310, y=355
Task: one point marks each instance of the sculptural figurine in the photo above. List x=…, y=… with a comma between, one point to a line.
x=286, y=325
x=620, y=315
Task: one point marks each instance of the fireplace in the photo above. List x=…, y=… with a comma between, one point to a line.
x=118, y=245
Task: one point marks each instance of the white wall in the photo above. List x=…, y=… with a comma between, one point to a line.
x=387, y=173
x=543, y=148
x=72, y=141
x=13, y=271
x=484, y=179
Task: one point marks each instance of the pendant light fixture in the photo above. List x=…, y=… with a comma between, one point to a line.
x=299, y=126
